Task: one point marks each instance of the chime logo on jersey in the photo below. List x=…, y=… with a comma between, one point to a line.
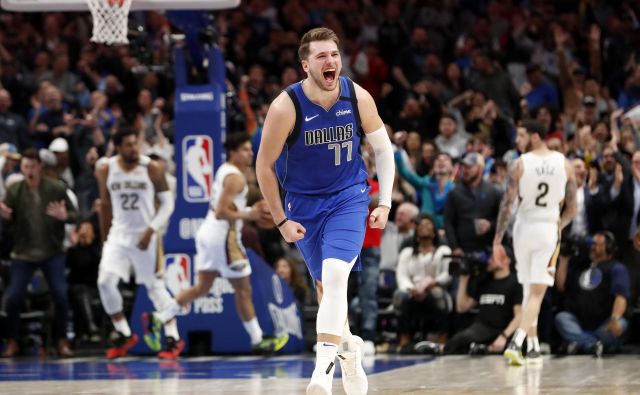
x=197, y=168
x=178, y=276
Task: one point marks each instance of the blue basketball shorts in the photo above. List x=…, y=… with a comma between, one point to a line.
x=335, y=225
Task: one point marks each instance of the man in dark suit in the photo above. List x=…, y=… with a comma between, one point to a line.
x=628, y=221
x=615, y=172
x=591, y=203
x=622, y=201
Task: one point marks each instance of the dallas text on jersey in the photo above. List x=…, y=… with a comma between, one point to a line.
x=328, y=135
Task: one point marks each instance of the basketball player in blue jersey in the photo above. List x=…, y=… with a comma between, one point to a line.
x=311, y=148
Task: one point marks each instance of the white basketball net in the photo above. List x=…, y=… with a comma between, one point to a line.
x=110, y=21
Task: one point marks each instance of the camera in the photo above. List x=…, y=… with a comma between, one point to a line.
x=575, y=247
x=471, y=263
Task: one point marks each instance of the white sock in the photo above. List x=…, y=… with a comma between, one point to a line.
x=171, y=329
x=122, y=326
x=325, y=360
x=169, y=312
x=532, y=343
x=519, y=336
x=253, y=329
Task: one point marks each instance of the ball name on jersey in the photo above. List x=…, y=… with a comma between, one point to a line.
x=135, y=185
x=545, y=170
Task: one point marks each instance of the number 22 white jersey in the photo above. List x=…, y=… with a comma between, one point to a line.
x=542, y=187
x=132, y=199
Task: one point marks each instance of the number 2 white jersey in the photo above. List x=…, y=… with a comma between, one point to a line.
x=542, y=187
x=132, y=199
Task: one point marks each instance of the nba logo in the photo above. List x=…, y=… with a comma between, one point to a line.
x=177, y=275
x=197, y=168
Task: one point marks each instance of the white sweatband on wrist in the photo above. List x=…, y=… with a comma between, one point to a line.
x=385, y=165
x=164, y=210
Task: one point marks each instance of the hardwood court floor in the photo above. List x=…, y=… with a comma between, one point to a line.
x=390, y=375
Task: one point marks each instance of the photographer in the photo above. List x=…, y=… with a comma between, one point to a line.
x=422, y=300
x=498, y=296
x=596, y=299
x=433, y=189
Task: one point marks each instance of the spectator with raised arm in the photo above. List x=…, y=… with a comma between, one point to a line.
x=488, y=77
x=433, y=189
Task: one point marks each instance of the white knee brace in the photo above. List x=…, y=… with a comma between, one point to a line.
x=109, y=293
x=332, y=312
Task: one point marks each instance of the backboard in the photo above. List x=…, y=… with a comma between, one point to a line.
x=81, y=5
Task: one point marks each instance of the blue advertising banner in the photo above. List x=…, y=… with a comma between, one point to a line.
x=274, y=302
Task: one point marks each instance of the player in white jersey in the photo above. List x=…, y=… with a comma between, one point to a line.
x=131, y=186
x=544, y=182
x=219, y=249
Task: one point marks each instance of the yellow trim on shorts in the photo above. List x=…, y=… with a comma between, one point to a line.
x=234, y=251
x=556, y=252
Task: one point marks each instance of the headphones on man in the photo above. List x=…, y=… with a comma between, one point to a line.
x=610, y=242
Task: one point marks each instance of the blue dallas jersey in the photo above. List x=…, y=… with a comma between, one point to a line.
x=322, y=154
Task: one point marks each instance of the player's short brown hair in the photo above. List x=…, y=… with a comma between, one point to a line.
x=122, y=133
x=534, y=127
x=235, y=140
x=317, y=34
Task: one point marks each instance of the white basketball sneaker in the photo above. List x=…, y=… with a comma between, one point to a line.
x=354, y=379
x=321, y=382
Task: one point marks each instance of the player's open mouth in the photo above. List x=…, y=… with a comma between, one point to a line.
x=329, y=75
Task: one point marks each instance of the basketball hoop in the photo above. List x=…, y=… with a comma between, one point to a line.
x=110, y=17
x=110, y=21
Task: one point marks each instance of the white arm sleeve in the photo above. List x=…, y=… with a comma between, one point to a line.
x=385, y=166
x=164, y=211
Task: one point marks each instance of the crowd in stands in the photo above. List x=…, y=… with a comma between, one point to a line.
x=452, y=79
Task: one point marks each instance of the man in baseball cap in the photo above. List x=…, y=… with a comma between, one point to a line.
x=60, y=148
x=10, y=151
x=473, y=159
